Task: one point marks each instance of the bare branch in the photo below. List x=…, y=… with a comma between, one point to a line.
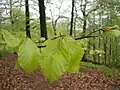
x=94, y=31
x=86, y=37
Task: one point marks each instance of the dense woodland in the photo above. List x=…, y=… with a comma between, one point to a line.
x=58, y=35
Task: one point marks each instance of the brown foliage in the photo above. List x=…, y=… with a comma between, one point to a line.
x=11, y=79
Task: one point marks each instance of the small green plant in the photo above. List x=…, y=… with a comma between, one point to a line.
x=96, y=52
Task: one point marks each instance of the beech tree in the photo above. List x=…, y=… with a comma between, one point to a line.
x=43, y=28
x=72, y=17
x=27, y=18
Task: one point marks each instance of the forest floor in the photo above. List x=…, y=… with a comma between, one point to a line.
x=87, y=79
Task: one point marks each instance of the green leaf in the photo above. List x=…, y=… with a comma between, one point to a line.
x=11, y=40
x=28, y=55
x=17, y=65
x=76, y=52
x=1, y=39
x=111, y=33
x=56, y=56
x=74, y=64
x=62, y=54
x=95, y=52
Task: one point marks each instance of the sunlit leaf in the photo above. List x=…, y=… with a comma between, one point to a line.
x=95, y=52
x=55, y=60
x=10, y=39
x=76, y=52
x=61, y=55
x=111, y=33
x=28, y=55
x=1, y=39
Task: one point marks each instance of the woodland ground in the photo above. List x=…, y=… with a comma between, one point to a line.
x=87, y=79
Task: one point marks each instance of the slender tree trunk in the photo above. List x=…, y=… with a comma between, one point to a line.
x=84, y=58
x=72, y=16
x=43, y=28
x=0, y=19
x=99, y=44
x=27, y=19
x=85, y=21
x=75, y=20
x=11, y=15
x=110, y=40
x=84, y=26
x=105, y=50
x=94, y=45
x=84, y=16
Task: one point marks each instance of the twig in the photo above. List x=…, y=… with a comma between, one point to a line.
x=41, y=46
x=94, y=32
x=85, y=37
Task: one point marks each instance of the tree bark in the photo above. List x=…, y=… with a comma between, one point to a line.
x=11, y=15
x=27, y=19
x=43, y=28
x=85, y=17
x=72, y=16
x=83, y=9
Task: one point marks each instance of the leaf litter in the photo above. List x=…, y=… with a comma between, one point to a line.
x=91, y=79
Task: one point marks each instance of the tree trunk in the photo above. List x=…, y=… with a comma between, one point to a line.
x=11, y=15
x=99, y=44
x=94, y=45
x=27, y=19
x=43, y=28
x=84, y=26
x=84, y=16
x=84, y=58
x=72, y=16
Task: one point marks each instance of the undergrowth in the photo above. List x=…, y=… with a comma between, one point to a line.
x=107, y=71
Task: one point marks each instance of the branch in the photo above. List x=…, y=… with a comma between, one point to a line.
x=41, y=46
x=88, y=36
x=94, y=31
x=85, y=37
x=97, y=7
x=80, y=18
